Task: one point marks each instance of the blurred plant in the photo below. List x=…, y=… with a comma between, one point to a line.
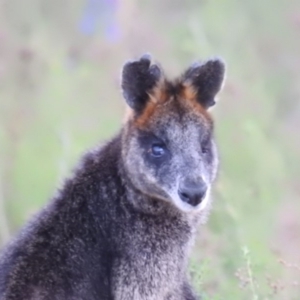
x=4, y=227
x=100, y=11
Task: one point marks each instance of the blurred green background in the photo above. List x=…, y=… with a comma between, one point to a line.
x=60, y=65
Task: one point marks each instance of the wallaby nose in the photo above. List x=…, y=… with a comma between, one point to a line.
x=192, y=192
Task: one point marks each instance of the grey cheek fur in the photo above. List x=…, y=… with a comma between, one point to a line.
x=186, y=161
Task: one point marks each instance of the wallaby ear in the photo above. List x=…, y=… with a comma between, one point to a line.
x=139, y=77
x=206, y=80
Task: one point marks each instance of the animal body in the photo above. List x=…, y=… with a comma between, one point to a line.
x=122, y=226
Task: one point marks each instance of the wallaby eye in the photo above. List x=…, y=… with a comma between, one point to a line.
x=205, y=146
x=157, y=150
x=204, y=149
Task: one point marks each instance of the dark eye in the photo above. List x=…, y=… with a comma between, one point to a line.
x=157, y=150
x=205, y=147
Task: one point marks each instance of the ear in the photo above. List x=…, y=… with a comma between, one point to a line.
x=206, y=80
x=139, y=77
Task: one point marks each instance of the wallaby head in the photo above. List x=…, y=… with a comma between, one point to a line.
x=168, y=148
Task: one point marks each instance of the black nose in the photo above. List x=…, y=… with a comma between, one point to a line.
x=192, y=192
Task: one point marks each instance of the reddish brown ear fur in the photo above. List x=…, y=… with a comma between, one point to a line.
x=145, y=88
x=169, y=91
x=157, y=97
x=206, y=80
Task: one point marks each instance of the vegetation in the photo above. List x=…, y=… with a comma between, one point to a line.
x=59, y=95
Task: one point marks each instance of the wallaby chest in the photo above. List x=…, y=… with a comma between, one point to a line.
x=153, y=259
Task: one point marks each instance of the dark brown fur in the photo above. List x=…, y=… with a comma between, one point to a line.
x=121, y=227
